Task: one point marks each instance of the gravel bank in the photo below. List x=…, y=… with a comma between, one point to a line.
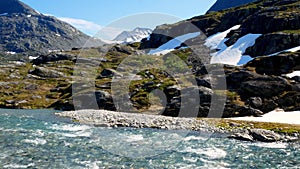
x=104, y=118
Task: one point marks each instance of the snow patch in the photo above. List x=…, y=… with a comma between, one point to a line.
x=276, y=116
x=295, y=49
x=172, y=44
x=135, y=35
x=244, y=59
x=10, y=52
x=216, y=41
x=32, y=57
x=233, y=54
x=293, y=74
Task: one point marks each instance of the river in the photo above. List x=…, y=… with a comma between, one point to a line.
x=39, y=139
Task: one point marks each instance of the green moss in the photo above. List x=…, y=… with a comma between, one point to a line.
x=235, y=124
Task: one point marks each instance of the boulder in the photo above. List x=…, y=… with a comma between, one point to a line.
x=242, y=137
x=46, y=73
x=264, y=87
x=255, y=102
x=274, y=42
x=275, y=65
x=265, y=135
x=53, y=57
x=235, y=78
x=258, y=135
x=290, y=101
x=108, y=73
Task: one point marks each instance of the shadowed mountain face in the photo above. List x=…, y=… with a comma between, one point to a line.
x=15, y=6
x=23, y=30
x=225, y=4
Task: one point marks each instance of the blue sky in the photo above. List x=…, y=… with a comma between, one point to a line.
x=91, y=15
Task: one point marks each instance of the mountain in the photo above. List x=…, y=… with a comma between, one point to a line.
x=135, y=35
x=247, y=30
x=24, y=30
x=225, y=4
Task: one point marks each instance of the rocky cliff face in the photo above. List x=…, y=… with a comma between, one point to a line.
x=277, y=21
x=225, y=4
x=25, y=30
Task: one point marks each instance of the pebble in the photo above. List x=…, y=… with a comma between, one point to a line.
x=104, y=118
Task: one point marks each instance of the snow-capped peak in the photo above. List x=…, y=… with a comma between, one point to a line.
x=135, y=35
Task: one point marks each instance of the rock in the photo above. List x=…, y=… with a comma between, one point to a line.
x=10, y=101
x=242, y=137
x=46, y=73
x=290, y=101
x=53, y=57
x=121, y=49
x=31, y=87
x=265, y=135
x=203, y=82
x=102, y=125
x=275, y=65
x=108, y=73
x=264, y=87
x=255, y=102
x=235, y=78
x=268, y=105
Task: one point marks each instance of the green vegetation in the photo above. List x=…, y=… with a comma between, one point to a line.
x=235, y=124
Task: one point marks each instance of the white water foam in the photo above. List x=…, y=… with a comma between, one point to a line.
x=211, y=153
x=36, y=141
x=73, y=131
x=271, y=145
x=18, y=166
x=78, y=134
x=134, y=138
x=70, y=127
x=189, y=138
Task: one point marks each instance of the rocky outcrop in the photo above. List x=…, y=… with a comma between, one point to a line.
x=275, y=42
x=258, y=135
x=258, y=17
x=46, y=73
x=53, y=57
x=283, y=63
x=225, y=4
x=264, y=86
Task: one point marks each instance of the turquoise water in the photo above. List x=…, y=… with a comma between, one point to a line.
x=38, y=139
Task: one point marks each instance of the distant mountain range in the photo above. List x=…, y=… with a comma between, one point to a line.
x=24, y=30
x=225, y=4
x=135, y=35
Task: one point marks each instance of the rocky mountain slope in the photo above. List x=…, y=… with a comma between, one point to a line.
x=25, y=30
x=257, y=18
x=268, y=81
x=225, y=4
x=135, y=35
